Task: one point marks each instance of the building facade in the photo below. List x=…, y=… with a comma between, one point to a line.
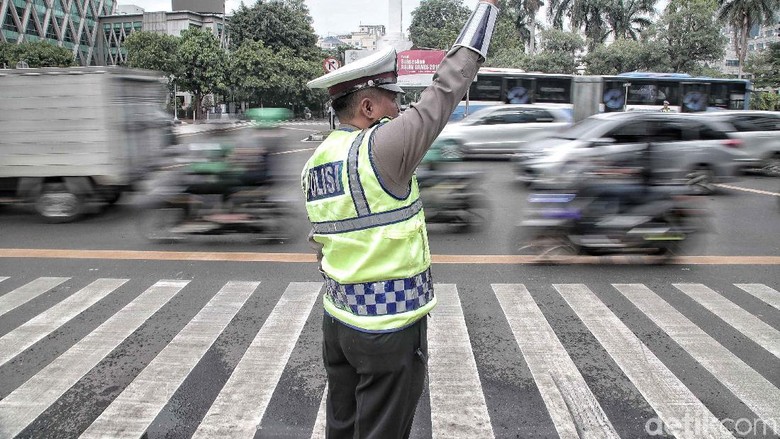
x=759, y=38
x=73, y=24
x=115, y=29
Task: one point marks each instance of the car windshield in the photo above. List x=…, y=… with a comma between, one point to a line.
x=581, y=129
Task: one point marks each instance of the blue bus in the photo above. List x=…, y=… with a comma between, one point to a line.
x=635, y=91
x=643, y=91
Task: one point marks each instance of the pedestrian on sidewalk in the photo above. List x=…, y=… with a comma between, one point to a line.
x=368, y=227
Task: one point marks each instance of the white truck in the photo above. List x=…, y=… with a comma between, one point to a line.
x=74, y=138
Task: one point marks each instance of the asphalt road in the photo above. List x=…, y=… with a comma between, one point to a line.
x=104, y=333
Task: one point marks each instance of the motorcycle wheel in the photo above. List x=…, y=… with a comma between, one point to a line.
x=158, y=225
x=526, y=243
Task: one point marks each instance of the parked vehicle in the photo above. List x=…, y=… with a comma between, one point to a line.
x=760, y=135
x=499, y=130
x=688, y=148
x=75, y=138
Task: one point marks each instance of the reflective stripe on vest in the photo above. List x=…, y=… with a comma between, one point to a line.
x=365, y=222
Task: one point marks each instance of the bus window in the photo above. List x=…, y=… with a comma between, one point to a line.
x=486, y=88
x=553, y=90
x=719, y=95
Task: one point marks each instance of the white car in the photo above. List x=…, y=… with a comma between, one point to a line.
x=499, y=130
x=760, y=134
x=686, y=148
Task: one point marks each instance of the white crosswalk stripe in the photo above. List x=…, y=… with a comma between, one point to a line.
x=28, y=292
x=23, y=405
x=763, y=292
x=459, y=404
x=746, y=323
x=458, y=407
x=132, y=412
x=747, y=384
x=555, y=373
x=664, y=391
x=16, y=341
x=240, y=406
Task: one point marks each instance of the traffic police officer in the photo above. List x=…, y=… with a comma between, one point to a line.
x=369, y=229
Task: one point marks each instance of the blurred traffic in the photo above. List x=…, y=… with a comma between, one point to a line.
x=220, y=188
x=624, y=182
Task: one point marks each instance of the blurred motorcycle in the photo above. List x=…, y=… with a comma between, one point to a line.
x=453, y=198
x=561, y=223
x=215, y=189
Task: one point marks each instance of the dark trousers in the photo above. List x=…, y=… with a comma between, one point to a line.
x=374, y=380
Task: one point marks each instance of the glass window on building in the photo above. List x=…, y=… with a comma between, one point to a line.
x=9, y=23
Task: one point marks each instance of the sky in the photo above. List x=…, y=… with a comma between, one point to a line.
x=331, y=17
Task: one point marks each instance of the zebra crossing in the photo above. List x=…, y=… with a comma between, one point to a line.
x=457, y=404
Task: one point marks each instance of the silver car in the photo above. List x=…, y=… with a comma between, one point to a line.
x=760, y=135
x=686, y=148
x=499, y=130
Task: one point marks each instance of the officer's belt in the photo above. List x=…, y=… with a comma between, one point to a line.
x=382, y=297
x=368, y=221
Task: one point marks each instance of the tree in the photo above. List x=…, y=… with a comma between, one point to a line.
x=742, y=15
x=35, y=54
x=436, y=24
x=625, y=56
x=153, y=51
x=690, y=34
x=277, y=24
x=511, y=57
x=627, y=18
x=765, y=67
x=262, y=76
x=587, y=15
x=201, y=65
x=558, y=53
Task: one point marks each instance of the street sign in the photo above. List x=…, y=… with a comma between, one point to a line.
x=330, y=64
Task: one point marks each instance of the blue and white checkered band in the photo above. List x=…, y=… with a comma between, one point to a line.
x=383, y=297
x=479, y=29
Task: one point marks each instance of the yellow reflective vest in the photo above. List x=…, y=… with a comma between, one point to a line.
x=375, y=254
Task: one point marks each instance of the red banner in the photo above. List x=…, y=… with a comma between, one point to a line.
x=419, y=62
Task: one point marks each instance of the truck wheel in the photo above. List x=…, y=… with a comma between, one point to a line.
x=56, y=204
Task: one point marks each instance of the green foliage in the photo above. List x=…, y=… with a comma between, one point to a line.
x=437, y=23
x=690, y=34
x=263, y=76
x=153, y=51
x=554, y=40
x=201, y=64
x=765, y=100
x=551, y=62
x=35, y=54
x=620, y=56
x=765, y=67
x=511, y=57
x=557, y=55
x=277, y=24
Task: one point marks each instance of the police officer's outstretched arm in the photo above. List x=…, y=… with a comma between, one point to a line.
x=399, y=146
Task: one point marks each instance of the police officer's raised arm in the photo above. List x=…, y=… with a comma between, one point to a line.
x=399, y=146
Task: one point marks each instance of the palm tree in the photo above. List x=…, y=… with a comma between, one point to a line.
x=523, y=13
x=588, y=15
x=742, y=15
x=627, y=18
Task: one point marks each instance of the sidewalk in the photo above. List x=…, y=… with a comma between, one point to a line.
x=188, y=129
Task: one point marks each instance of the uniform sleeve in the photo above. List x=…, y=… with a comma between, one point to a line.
x=398, y=147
